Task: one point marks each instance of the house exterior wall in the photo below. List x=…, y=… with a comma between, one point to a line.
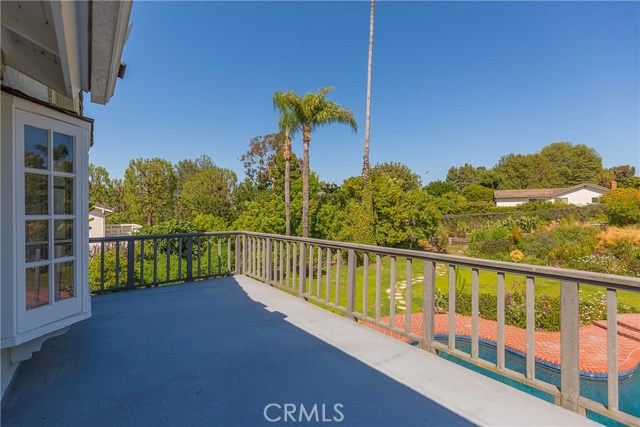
x=513, y=201
x=581, y=197
x=96, y=223
x=23, y=331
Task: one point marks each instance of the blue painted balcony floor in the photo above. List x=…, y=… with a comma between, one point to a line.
x=217, y=352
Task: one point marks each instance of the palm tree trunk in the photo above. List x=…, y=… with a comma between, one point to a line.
x=287, y=181
x=365, y=166
x=306, y=138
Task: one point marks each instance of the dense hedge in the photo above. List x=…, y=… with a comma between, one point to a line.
x=547, y=308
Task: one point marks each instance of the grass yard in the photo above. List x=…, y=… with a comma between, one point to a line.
x=488, y=285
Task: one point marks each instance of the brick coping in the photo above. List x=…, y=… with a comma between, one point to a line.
x=592, y=341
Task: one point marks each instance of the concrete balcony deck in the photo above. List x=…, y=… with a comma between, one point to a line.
x=218, y=352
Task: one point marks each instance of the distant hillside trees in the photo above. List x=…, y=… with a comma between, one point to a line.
x=560, y=164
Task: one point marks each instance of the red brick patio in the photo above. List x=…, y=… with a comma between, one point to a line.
x=593, y=339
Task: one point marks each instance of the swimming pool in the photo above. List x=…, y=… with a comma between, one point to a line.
x=592, y=388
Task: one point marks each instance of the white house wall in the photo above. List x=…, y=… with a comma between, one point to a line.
x=96, y=224
x=581, y=197
x=513, y=201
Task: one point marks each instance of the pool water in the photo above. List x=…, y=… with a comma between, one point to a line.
x=592, y=388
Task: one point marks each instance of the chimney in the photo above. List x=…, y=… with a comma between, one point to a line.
x=614, y=185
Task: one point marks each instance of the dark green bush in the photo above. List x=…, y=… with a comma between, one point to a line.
x=110, y=270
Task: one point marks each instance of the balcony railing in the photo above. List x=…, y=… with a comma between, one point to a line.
x=326, y=274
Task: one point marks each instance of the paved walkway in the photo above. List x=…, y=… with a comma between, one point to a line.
x=593, y=339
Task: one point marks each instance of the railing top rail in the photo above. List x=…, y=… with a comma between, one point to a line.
x=159, y=236
x=561, y=274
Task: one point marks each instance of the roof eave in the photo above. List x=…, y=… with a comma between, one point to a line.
x=109, y=31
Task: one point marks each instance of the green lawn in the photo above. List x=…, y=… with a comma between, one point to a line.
x=488, y=285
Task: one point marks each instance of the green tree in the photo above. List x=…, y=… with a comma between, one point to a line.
x=263, y=214
x=489, y=178
x=604, y=177
x=402, y=217
x=478, y=193
x=209, y=222
x=149, y=187
x=574, y=164
x=118, y=203
x=400, y=172
x=623, y=173
x=100, y=186
x=438, y=188
x=312, y=111
x=184, y=169
x=520, y=171
x=464, y=175
x=259, y=159
x=633, y=182
x=451, y=204
x=209, y=191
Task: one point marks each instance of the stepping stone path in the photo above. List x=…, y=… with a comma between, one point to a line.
x=401, y=288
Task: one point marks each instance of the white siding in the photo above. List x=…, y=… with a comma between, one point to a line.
x=581, y=197
x=512, y=201
x=96, y=223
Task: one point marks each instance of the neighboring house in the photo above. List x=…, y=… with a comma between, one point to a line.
x=97, y=225
x=52, y=51
x=118, y=230
x=582, y=194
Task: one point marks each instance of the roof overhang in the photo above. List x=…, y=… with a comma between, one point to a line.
x=69, y=46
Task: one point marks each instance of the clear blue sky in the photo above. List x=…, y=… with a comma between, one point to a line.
x=453, y=82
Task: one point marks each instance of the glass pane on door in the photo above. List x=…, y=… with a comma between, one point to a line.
x=62, y=152
x=36, y=240
x=63, y=281
x=36, y=194
x=62, y=195
x=36, y=147
x=63, y=243
x=37, y=286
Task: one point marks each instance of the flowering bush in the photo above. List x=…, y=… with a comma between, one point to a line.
x=622, y=206
x=516, y=255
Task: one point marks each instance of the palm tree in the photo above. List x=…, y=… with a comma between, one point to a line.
x=289, y=125
x=365, y=166
x=311, y=111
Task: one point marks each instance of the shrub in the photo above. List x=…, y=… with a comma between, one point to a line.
x=110, y=270
x=622, y=206
x=547, y=313
x=172, y=226
x=537, y=245
x=493, y=249
x=489, y=233
x=573, y=242
x=516, y=255
x=524, y=223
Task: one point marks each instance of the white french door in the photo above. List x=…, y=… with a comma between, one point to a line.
x=49, y=162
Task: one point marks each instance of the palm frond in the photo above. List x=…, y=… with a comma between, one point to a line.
x=287, y=104
x=333, y=113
